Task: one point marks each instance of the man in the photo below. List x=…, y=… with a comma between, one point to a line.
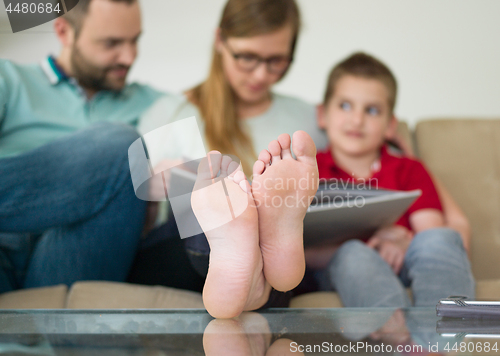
x=68, y=210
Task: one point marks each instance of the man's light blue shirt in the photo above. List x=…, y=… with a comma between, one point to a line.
x=39, y=104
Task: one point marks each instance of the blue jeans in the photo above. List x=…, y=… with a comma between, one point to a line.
x=68, y=210
x=435, y=266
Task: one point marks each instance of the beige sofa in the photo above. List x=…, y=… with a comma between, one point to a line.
x=463, y=153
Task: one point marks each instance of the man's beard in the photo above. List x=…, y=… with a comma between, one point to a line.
x=92, y=77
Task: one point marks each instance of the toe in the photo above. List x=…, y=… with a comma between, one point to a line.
x=214, y=162
x=233, y=168
x=238, y=177
x=274, y=149
x=258, y=168
x=226, y=160
x=304, y=148
x=265, y=157
x=210, y=165
x=245, y=186
x=284, y=141
x=241, y=180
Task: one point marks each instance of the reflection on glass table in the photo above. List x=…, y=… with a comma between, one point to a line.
x=416, y=331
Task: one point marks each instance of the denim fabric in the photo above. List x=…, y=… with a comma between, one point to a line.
x=435, y=266
x=68, y=210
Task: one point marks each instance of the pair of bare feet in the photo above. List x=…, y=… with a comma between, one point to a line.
x=255, y=232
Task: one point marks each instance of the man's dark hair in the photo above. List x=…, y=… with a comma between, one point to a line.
x=76, y=15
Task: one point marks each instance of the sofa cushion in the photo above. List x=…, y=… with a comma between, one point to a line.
x=465, y=156
x=317, y=300
x=488, y=289
x=113, y=295
x=327, y=300
x=35, y=298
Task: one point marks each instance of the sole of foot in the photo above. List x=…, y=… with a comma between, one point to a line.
x=283, y=187
x=225, y=209
x=249, y=334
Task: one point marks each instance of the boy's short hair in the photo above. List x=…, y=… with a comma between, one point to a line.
x=362, y=65
x=77, y=14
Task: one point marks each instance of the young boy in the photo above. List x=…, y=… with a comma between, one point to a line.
x=418, y=251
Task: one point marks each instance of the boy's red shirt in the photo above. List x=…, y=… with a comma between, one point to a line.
x=395, y=172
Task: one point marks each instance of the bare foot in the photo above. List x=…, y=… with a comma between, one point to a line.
x=226, y=212
x=283, y=188
x=247, y=335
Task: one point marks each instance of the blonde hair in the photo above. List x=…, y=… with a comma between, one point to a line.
x=215, y=98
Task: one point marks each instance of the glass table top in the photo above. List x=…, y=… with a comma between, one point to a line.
x=415, y=331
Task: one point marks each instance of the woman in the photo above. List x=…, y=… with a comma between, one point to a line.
x=236, y=109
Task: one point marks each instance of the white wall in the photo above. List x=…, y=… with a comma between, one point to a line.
x=445, y=53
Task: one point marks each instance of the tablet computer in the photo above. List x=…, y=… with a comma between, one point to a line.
x=337, y=215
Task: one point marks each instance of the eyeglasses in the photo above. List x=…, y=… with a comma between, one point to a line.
x=247, y=62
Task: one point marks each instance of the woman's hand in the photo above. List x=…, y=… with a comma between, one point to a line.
x=391, y=244
x=159, y=186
